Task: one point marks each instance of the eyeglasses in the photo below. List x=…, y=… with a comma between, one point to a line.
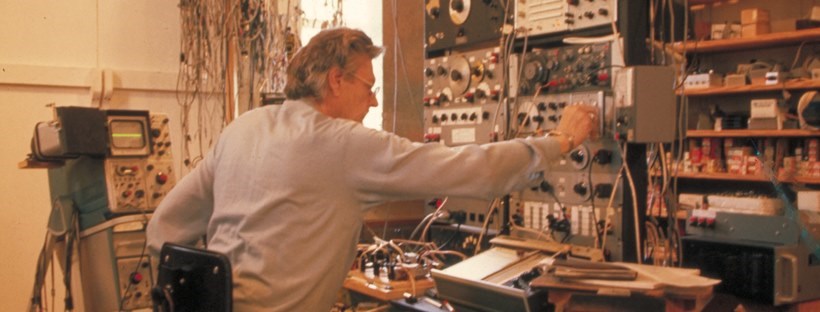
x=374, y=91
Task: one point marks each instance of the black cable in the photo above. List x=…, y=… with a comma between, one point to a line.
x=593, y=192
x=563, y=218
x=458, y=231
x=69, y=301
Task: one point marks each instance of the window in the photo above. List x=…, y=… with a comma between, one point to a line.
x=362, y=14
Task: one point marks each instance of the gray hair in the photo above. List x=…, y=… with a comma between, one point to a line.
x=307, y=71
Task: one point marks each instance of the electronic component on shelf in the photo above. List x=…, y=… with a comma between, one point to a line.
x=645, y=104
x=458, y=23
x=773, y=78
x=808, y=200
x=702, y=81
x=764, y=108
x=734, y=80
x=770, y=273
x=540, y=17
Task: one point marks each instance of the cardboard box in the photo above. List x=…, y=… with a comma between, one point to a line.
x=753, y=16
x=725, y=31
x=815, y=13
x=755, y=29
x=808, y=200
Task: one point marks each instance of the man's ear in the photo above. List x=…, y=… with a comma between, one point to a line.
x=334, y=80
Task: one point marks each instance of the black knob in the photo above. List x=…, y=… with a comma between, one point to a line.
x=522, y=118
x=435, y=12
x=542, y=107
x=553, y=118
x=443, y=117
x=603, y=11
x=538, y=118
x=441, y=71
x=577, y=156
x=443, y=98
x=453, y=116
x=481, y=94
x=464, y=116
x=553, y=106
x=603, y=157
x=473, y=117
x=580, y=189
x=435, y=119
x=428, y=72
x=155, y=133
x=485, y=115
x=545, y=186
x=477, y=72
x=455, y=75
x=457, y=5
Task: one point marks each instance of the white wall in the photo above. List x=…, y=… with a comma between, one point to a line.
x=57, y=52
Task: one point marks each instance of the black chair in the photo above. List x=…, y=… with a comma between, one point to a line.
x=192, y=279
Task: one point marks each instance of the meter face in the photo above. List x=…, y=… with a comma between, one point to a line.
x=127, y=134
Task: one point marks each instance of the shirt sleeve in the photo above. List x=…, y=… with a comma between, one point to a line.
x=385, y=167
x=182, y=216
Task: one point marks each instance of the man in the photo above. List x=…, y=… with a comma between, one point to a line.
x=284, y=190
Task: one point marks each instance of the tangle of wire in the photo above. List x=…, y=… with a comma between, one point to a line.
x=209, y=29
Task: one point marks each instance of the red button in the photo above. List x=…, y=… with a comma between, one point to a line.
x=162, y=178
x=136, y=278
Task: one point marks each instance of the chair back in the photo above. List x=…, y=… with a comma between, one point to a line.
x=192, y=279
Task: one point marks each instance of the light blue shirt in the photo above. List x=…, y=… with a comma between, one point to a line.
x=283, y=193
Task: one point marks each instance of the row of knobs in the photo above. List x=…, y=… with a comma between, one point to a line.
x=160, y=146
x=160, y=178
x=469, y=96
x=588, y=14
x=456, y=117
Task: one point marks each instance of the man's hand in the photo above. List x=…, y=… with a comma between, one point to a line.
x=578, y=123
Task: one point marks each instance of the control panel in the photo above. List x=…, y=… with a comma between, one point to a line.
x=135, y=281
x=462, y=97
x=573, y=202
x=539, y=17
x=160, y=164
x=567, y=69
x=137, y=184
x=453, y=23
x=543, y=112
x=115, y=268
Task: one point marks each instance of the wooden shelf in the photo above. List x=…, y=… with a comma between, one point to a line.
x=785, y=133
x=796, y=84
x=767, y=40
x=748, y=178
